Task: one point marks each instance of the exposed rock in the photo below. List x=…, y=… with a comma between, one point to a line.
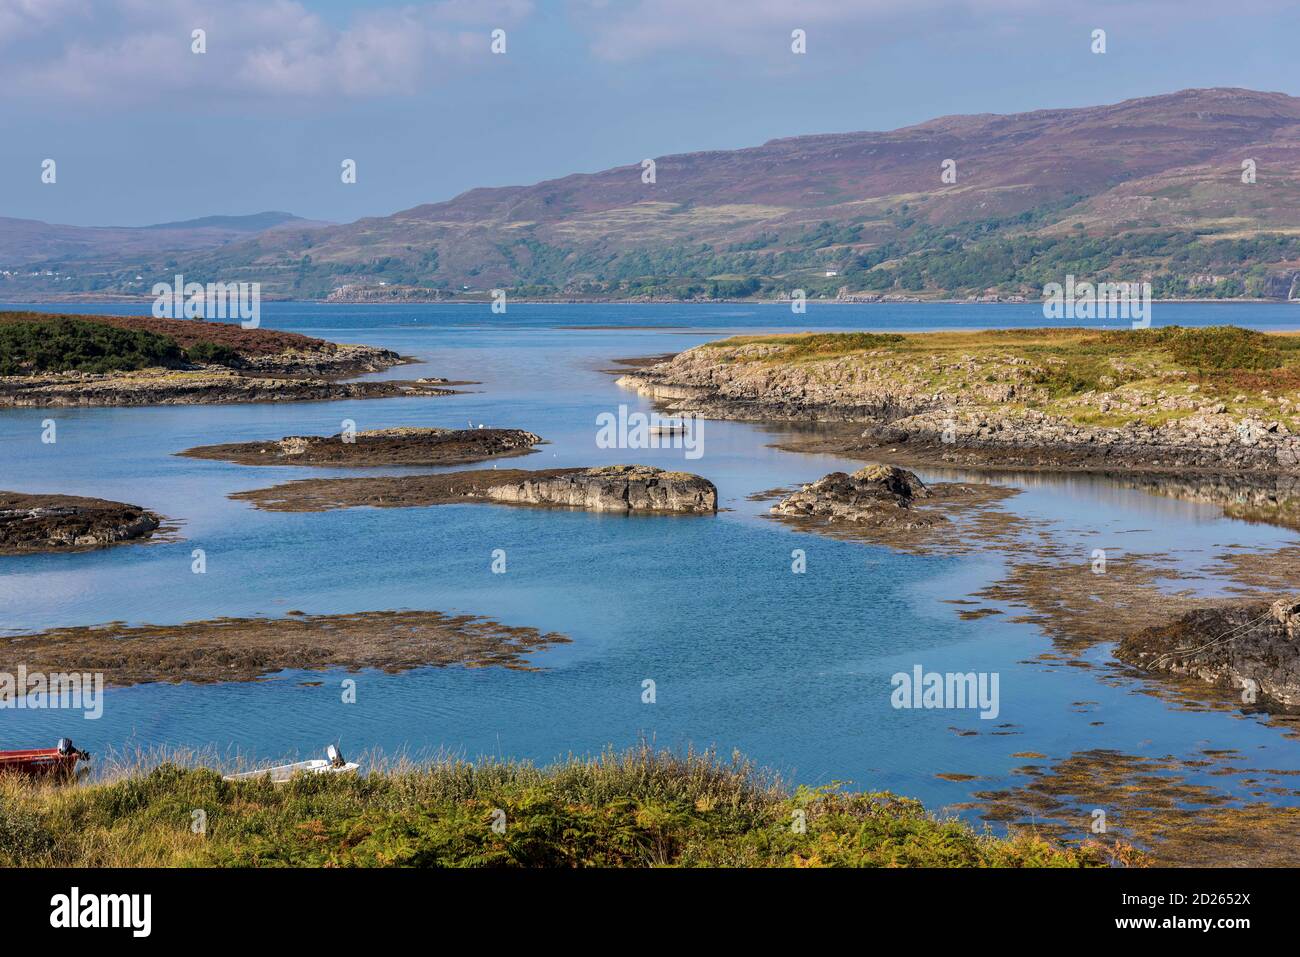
x=877, y=494
x=207, y=385
x=399, y=446
x=614, y=488
x=51, y=523
x=611, y=488
x=1254, y=647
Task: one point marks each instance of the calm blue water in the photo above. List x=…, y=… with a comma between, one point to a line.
x=791, y=669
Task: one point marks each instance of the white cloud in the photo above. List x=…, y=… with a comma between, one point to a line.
x=19, y=18
x=621, y=31
x=131, y=50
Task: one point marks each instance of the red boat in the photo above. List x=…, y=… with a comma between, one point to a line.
x=60, y=761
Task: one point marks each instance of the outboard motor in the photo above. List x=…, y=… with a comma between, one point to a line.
x=66, y=748
x=335, y=757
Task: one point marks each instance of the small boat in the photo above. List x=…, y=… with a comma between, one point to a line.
x=333, y=763
x=670, y=427
x=59, y=762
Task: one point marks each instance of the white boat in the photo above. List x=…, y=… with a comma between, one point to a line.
x=669, y=427
x=333, y=763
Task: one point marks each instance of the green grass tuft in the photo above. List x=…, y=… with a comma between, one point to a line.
x=638, y=808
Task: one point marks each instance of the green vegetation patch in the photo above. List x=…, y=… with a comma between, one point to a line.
x=638, y=808
x=62, y=344
x=821, y=345
x=1067, y=362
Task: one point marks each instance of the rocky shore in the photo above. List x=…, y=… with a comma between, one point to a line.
x=1252, y=647
x=399, y=446
x=194, y=387
x=979, y=401
x=57, y=523
x=609, y=488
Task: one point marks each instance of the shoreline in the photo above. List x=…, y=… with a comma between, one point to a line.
x=985, y=400
x=109, y=298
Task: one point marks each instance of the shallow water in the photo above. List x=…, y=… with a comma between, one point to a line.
x=792, y=669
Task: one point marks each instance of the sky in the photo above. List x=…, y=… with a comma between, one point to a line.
x=144, y=130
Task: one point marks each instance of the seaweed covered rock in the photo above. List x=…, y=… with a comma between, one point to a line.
x=874, y=495
x=50, y=523
x=1253, y=646
x=397, y=446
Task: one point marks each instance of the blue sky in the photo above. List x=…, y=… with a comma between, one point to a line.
x=144, y=131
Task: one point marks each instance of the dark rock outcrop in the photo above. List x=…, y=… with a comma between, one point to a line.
x=1253, y=647
x=52, y=523
x=877, y=494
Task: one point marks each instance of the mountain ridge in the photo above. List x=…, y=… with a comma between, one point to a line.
x=1148, y=188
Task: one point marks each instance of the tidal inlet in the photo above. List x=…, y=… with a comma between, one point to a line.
x=797, y=496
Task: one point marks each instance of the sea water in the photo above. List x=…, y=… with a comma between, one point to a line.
x=793, y=670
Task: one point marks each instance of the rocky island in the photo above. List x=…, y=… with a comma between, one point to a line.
x=1168, y=400
x=876, y=495
x=399, y=446
x=58, y=523
x=51, y=360
x=608, y=488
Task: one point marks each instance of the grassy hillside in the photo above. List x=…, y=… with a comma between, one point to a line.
x=1144, y=189
x=634, y=809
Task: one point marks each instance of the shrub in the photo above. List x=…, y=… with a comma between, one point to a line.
x=212, y=354
x=76, y=345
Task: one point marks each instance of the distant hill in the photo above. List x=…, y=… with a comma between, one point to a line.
x=28, y=241
x=252, y=223
x=1147, y=188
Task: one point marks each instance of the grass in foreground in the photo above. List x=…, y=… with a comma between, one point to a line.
x=639, y=808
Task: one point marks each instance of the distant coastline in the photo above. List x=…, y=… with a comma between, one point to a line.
x=481, y=299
